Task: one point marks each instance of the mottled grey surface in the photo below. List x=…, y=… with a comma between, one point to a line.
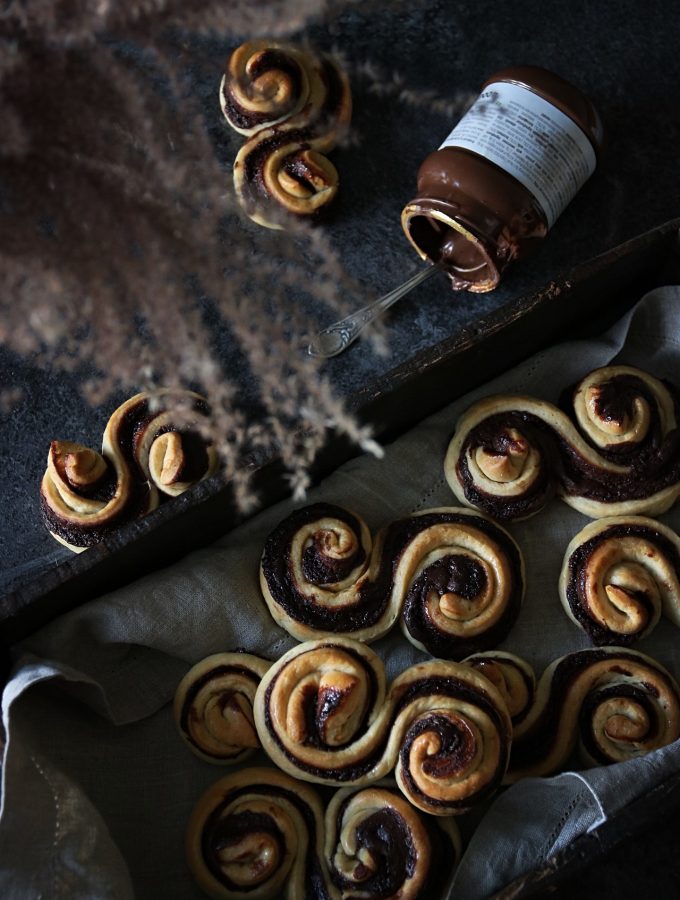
x=623, y=54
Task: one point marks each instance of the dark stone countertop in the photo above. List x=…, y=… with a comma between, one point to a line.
x=623, y=54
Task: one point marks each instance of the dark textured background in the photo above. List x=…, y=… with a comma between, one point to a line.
x=624, y=54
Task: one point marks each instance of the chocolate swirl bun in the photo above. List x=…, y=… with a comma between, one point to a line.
x=265, y=83
x=459, y=580
x=514, y=678
x=618, y=575
x=258, y=833
x=322, y=715
x=294, y=105
x=146, y=454
x=213, y=706
x=456, y=576
x=619, y=456
x=312, y=574
x=379, y=846
x=614, y=703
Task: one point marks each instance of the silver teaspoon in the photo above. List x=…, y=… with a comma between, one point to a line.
x=337, y=337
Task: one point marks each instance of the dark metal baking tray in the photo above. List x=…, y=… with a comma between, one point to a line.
x=595, y=864
x=583, y=301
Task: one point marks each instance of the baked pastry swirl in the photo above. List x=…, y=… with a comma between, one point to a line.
x=614, y=703
x=619, y=454
x=293, y=105
x=265, y=83
x=213, y=706
x=258, y=833
x=619, y=574
x=455, y=577
x=147, y=453
x=513, y=677
x=378, y=845
x=323, y=714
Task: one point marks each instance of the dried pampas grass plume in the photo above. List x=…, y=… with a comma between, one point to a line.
x=118, y=246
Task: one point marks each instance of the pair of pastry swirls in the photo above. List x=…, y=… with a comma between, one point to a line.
x=292, y=105
x=152, y=447
x=612, y=703
x=260, y=833
x=619, y=455
x=213, y=704
x=324, y=714
x=453, y=576
x=618, y=575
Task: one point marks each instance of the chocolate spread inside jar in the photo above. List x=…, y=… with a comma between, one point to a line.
x=499, y=181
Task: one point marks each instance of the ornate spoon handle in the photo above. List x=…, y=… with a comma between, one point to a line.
x=340, y=335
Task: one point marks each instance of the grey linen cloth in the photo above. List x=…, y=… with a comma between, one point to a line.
x=97, y=786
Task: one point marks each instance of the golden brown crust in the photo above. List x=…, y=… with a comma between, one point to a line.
x=378, y=845
x=614, y=703
x=148, y=451
x=455, y=578
x=323, y=714
x=293, y=106
x=619, y=456
x=258, y=833
x=513, y=677
x=265, y=83
x=213, y=706
x=313, y=568
x=618, y=575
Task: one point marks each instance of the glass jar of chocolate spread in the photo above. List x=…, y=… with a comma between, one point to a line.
x=499, y=181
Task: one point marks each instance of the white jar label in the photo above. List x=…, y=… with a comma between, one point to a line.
x=531, y=139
